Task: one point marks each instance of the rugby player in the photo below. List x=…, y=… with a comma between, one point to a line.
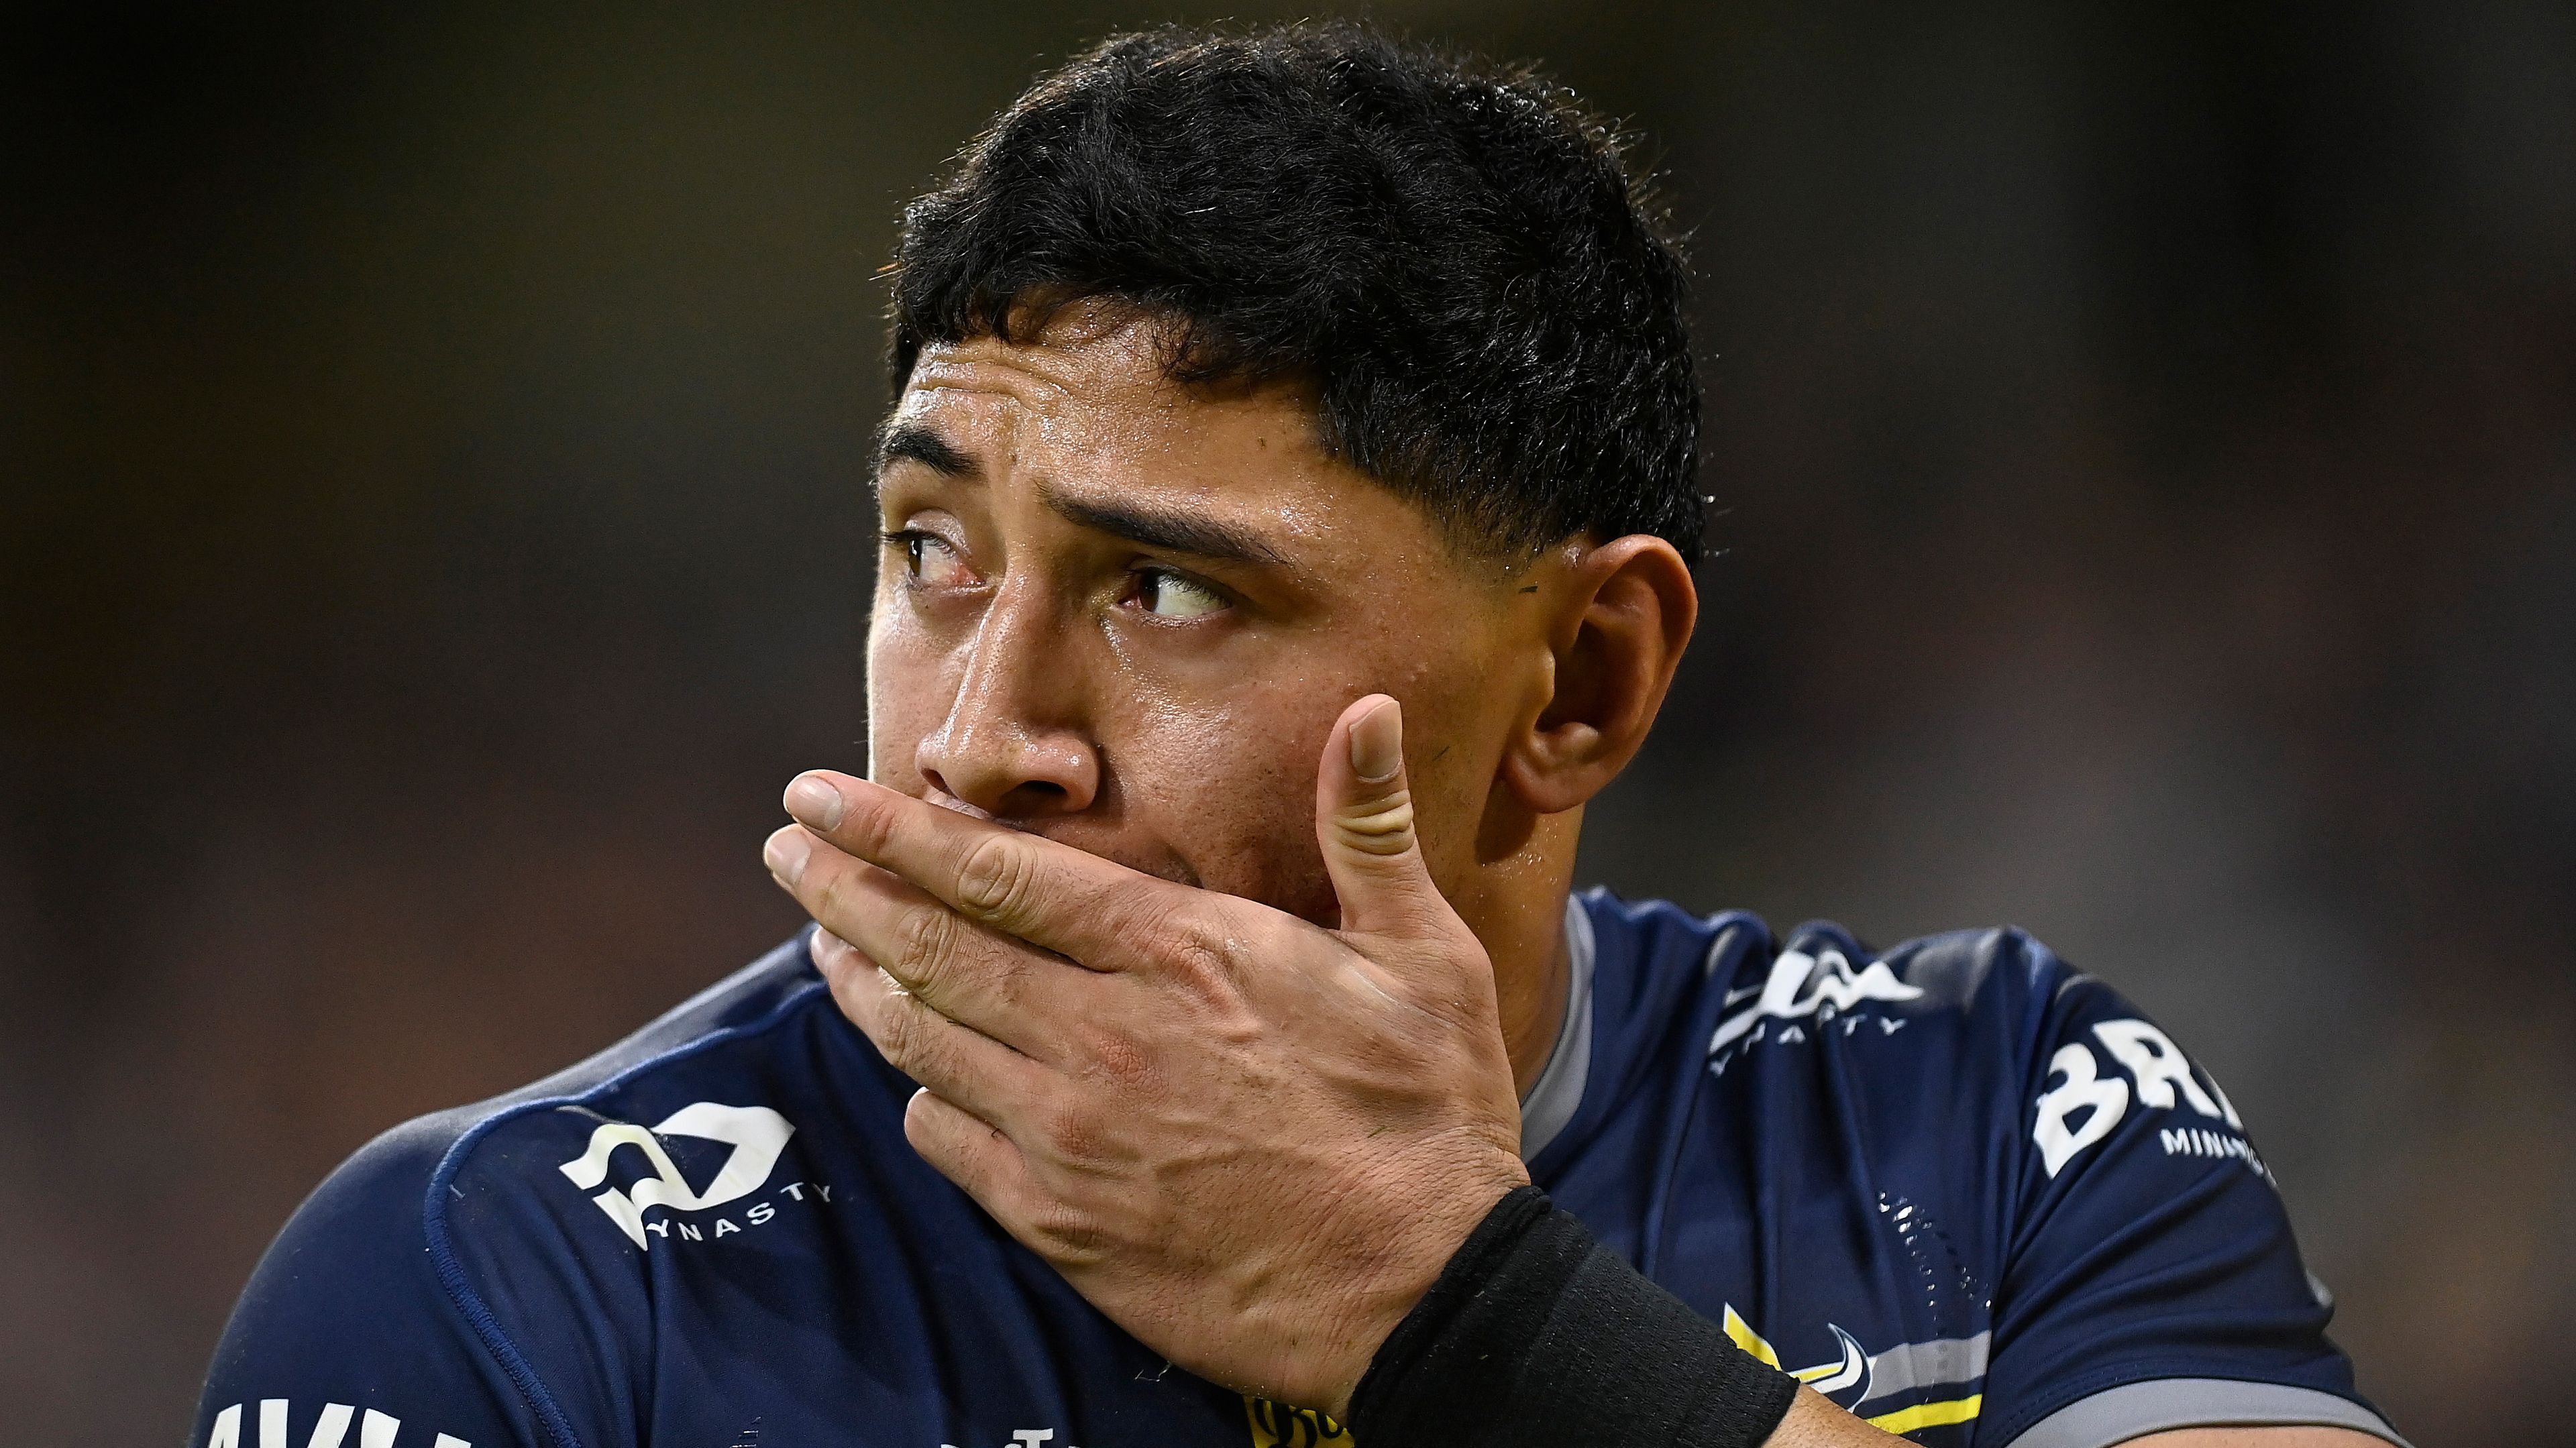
x=1288, y=516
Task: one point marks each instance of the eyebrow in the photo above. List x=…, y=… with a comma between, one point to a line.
x=1159, y=527
x=901, y=440
x=1178, y=529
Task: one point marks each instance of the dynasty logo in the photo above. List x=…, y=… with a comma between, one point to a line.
x=757, y=1136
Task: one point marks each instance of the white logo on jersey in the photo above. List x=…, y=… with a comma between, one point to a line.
x=1908, y=1367
x=1788, y=995
x=2161, y=1073
x=330, y=1430
x=1024, y=1438
x=756, y=1134
x=2108, y=1100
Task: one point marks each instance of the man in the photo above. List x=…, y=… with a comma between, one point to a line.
x=1288, y=518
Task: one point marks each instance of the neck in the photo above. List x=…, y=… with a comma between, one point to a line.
x=1516, y=906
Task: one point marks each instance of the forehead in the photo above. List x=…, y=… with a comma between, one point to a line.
x=1088, y=398
x=1084, y=415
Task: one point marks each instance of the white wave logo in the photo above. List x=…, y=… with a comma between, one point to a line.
x=1806, y=985
x=756, y=1134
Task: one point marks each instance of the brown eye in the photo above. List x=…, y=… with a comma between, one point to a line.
x=929, y=558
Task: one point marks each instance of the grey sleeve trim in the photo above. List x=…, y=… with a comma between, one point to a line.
x=1558, y=1092
x=2132, y=1410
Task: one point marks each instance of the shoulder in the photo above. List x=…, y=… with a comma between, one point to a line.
x=522, y=1174
x=1997, y=986
x=396, y=1272
x=758, y=995
x=1748, y=982
x=2092, y=1231
x=1983, y=1059
x=390, y=1178
x=1984, y=1031
x=1995, y=974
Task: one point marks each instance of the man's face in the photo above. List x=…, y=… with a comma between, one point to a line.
x=1125, y=615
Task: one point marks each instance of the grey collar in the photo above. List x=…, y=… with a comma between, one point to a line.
x=1559, y=1087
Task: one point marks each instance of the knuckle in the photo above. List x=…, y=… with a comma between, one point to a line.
x=1070, y=1131
x=1384, y=828
x=1202, y=952
x=1119, y=1061
x=1068, y=1230
x=927, y=942
x=894, y=1033
x=904, y=1032
x=993, y=880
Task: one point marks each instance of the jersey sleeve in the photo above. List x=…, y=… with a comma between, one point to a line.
x=346, y=1336
x=2151, y=1280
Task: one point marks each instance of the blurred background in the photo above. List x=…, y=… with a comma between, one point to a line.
x=433, y=525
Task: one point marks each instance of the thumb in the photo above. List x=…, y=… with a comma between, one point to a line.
x=1364, y=821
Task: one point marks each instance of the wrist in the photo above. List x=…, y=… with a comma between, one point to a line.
x=1437, y=1224
x=1536, y=1334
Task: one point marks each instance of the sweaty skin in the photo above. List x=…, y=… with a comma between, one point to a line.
x=1103, y=1063
x=1238, y=933
x=1030, y=669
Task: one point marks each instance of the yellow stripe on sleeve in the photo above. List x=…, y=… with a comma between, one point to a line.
x=1930, y=1415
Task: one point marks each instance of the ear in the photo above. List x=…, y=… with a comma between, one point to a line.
x=1624, y=612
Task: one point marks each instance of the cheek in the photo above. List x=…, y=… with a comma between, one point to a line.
x=1456, y=749
x=907, y=697
x=1232, y=792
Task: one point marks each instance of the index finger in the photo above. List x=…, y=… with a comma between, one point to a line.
x=1051, y=895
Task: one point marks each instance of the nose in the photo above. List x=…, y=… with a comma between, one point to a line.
x=1013, y=743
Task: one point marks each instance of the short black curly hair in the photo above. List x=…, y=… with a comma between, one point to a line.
x=1455, y=255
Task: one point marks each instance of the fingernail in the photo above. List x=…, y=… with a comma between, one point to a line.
x=1377, y=743
x=813, y=800
x=786, y=853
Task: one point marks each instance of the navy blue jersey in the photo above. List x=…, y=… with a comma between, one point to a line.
x=1960, y=1189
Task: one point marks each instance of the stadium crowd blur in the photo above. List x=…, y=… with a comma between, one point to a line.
x=433, y=526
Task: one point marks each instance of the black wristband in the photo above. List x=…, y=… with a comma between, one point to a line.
x=1535, y=1334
